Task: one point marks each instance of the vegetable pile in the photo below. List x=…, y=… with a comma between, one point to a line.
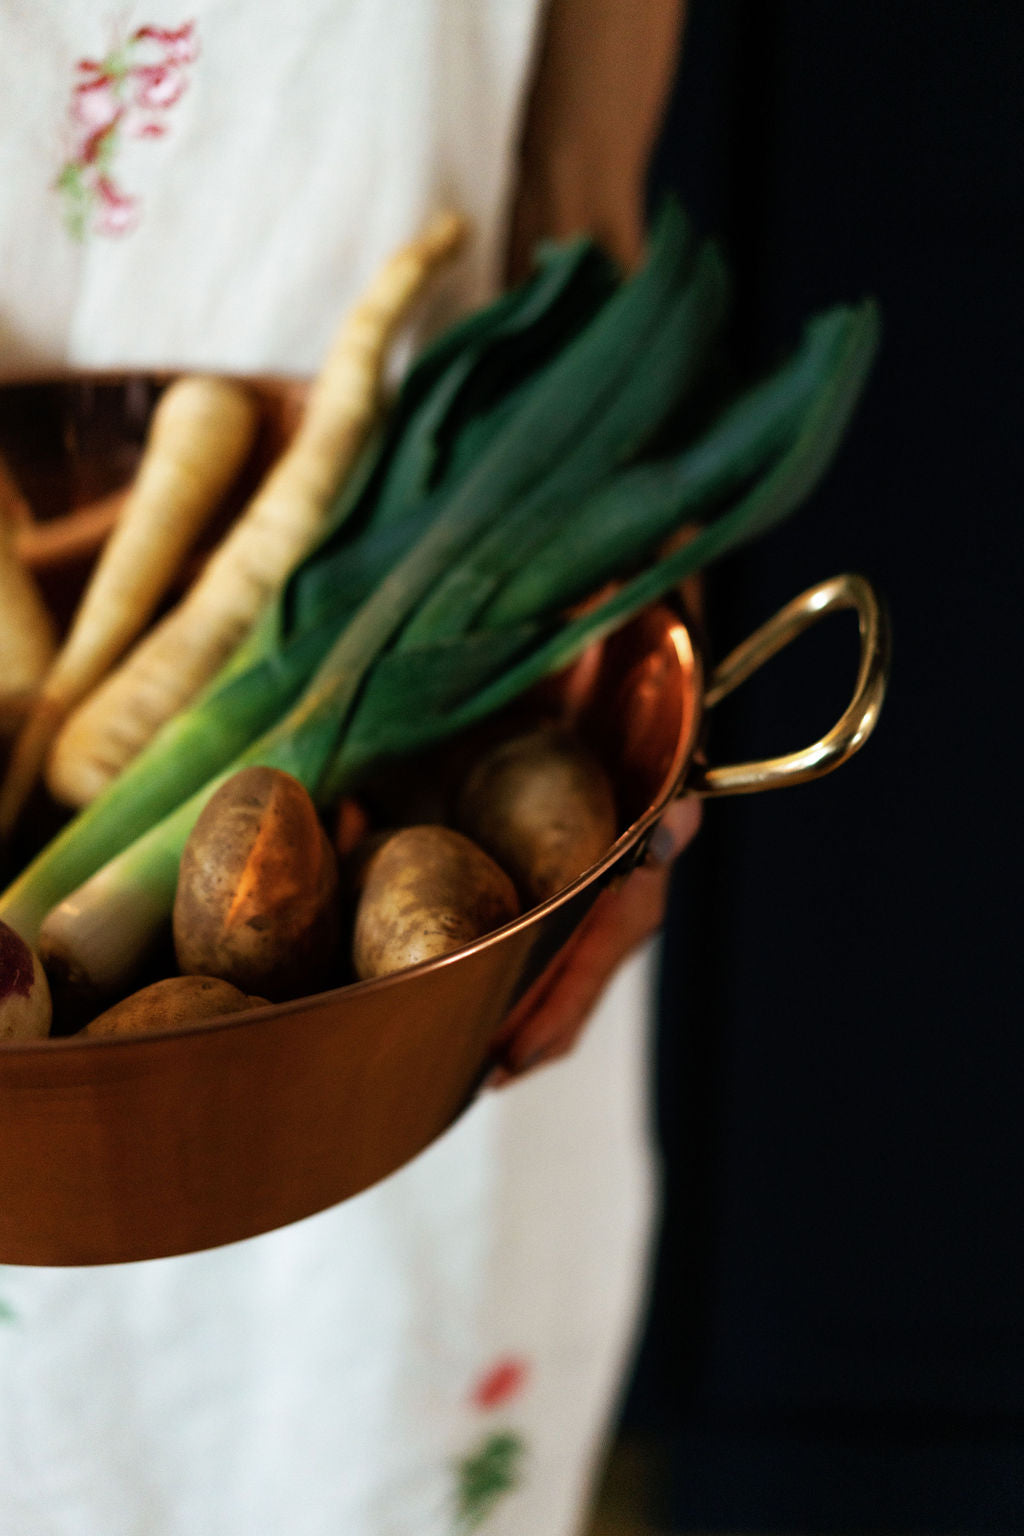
x=540, y=450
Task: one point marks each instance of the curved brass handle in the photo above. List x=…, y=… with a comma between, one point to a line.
x=853, y=727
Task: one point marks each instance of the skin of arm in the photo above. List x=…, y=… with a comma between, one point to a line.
x=601, y=79
x=602, y=76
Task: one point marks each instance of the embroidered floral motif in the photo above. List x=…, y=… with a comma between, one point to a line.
x=126, y=94
x=494, y=1467
x=501, y=1384
x=492, y=1470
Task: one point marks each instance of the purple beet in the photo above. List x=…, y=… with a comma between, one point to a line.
x=25, y=1008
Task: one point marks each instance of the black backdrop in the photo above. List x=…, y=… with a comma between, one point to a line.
x=836, y=1338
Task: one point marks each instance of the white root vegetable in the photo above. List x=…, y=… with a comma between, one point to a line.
x=201, y=433
x=180, y=654
x=14, y=508
x=28, y=637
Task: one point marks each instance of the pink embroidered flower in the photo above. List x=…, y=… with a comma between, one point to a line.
x=118, y=212
x=179, y=44
x=145, y=127
x=95, y=103
x=501, y=1384
x=158, y=85
x=128, y=93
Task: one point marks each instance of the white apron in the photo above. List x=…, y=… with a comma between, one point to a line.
x=206, y=183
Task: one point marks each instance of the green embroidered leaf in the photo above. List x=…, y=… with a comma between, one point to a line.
x=118, y=63
x=78, y=199
x=106, y=150
x=7, y=1313
x=485, y=1475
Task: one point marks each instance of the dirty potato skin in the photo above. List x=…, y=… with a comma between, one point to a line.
x=426, y=891
x=543, y=807
x=257, y=899
x=174, y=1003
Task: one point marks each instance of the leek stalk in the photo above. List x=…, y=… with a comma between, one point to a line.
x=517, y=473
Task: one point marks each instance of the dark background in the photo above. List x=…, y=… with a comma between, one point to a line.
x=836, y=1339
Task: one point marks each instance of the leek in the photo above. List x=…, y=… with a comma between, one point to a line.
x=522, y=467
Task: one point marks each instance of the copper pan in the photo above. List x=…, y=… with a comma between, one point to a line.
x=116, y=1150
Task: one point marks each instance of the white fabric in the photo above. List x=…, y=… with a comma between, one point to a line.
x=334, y=1376
x=319, y=1379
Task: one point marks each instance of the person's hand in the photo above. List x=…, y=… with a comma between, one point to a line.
x=548, y=1020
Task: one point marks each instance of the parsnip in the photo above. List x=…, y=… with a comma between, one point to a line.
x=201, y=432
x=179, y=655
x=14, y=509
x=28, y=638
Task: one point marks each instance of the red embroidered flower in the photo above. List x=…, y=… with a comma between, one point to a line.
x=126, y=94
x=504, y=1381
x=118, y=212
x=494, y=1468
x=95, y=103
x=178, y=44
x=158, y=85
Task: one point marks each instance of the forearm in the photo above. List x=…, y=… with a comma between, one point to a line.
x=603, y=72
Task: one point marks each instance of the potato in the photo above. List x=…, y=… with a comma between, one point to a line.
x=426, y=891
x=25, y=1007
x=175, y=1003
x=541, y=805
x=351, y=825
x=257, y=899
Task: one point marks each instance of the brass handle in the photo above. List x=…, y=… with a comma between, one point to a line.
x=854, y=726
